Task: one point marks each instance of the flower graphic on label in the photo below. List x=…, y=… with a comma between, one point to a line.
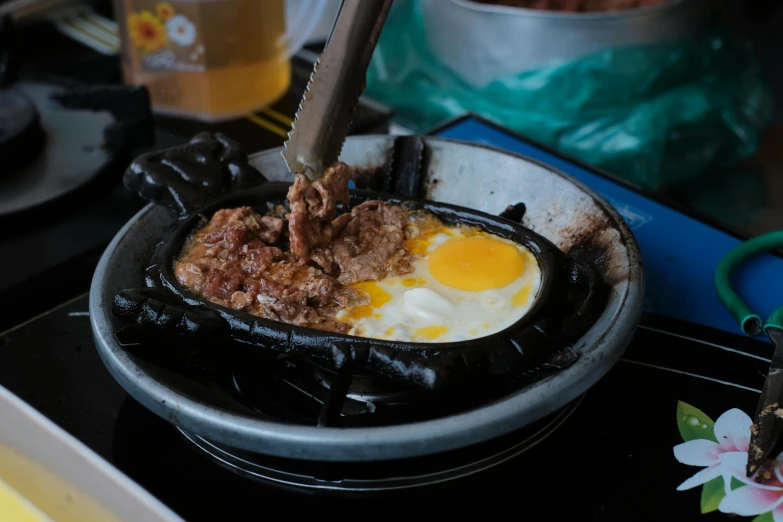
x=721, y=449
x=181, y=30
x=146, y=31
x=164, y=10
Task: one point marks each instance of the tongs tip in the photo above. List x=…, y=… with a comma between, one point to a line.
x=763, y=436
x=332, y=95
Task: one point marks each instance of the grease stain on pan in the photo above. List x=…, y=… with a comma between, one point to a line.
x=583, y=230
x=591, y=238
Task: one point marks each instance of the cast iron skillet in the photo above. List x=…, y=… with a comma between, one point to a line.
x=211, y=173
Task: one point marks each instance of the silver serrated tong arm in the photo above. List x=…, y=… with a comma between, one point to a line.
x=330, y=100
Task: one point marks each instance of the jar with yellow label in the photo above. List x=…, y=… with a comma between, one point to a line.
x=212, y=60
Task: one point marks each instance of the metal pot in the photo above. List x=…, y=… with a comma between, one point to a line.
x=482, y=42
x=559, y=208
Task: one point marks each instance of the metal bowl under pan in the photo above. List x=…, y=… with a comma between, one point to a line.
x=560, y=208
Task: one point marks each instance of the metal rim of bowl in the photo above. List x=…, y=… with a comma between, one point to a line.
x=567, y=15
x=375, y=443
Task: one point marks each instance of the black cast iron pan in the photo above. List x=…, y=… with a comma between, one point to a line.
x=212, y=173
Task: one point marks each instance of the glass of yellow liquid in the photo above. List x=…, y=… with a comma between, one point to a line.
x=212, y=60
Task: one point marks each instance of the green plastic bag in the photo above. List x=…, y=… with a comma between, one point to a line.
x=653, y=115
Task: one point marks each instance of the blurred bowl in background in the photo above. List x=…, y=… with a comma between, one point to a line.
x=482, y=42
x=324, y=26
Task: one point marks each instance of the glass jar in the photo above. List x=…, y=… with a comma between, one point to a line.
x=212, y=60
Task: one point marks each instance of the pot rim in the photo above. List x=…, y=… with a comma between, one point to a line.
x=601, y=16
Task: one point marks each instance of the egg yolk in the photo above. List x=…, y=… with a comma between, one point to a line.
x=476, y=263
x=410, y=282
x=429, y=333
x=417, y=246
x=357, y=312
x=521, y=297
x=378, y=298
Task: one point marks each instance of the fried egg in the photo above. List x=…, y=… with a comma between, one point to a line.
x=465, y=284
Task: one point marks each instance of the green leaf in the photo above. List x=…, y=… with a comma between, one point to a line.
x=765, y=517
x=694, y=423
x=735, y=483
x=711, y=495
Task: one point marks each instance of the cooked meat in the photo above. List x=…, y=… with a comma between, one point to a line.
x=233, y=238
x=231, y=225
x=368, y=245
x=313, y=206
x=299, y=294
x=372, y=245
x=324, y=258
x=230, y=262
x=236, y=259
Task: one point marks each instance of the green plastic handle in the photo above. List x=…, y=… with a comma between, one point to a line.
x=749, y=321
x=775, y=320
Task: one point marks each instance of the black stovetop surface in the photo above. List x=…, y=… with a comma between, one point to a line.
x=611, y=460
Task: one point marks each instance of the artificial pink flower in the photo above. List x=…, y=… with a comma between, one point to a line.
x=732, y=430
x=754, y=498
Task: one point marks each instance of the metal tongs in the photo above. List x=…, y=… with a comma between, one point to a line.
x=331, y=97
x=768, y=422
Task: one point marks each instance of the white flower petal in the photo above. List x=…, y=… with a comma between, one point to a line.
x=750, y=500
x=777, y=513
x=734, y=463
x=732, y=429
x=700, y=478
x=181, y=31
x=699, y=452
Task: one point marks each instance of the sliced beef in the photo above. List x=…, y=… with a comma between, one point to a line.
x=257, y=259
x=230, y=262
x=233, y=261
x=229, y=235
x=372, y=244
x=313, y=206
x=222, y=284
x=300, y=294
x=368, y=245
x=324, y=258
x=233, y=227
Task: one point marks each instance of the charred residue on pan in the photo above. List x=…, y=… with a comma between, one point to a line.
x=588, y=234
x=369, y=178
x=589, y=240
x=401, y=174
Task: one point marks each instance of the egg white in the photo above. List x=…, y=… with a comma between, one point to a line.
x=417, y=307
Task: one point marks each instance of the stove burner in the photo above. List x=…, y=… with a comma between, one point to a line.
x=376, y=477
x=295, y=390
x=47, y=159
x=67, y=161
x=21, y=134
x=291, y=389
